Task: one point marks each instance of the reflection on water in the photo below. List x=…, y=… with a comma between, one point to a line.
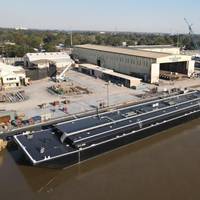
x=1, y=159
x=165, y=166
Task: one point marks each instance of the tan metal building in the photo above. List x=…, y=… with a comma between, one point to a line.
x=138, y=63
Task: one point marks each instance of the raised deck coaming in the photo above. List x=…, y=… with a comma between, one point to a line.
x=88, y=132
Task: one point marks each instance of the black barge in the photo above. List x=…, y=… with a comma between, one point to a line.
x=75, y=141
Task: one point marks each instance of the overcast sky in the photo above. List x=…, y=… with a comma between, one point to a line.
x=109, y=15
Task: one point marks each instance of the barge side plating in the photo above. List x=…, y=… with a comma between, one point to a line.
x=77, y=140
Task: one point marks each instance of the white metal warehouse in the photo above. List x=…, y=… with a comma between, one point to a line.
x=138, y=63
x=43, y=60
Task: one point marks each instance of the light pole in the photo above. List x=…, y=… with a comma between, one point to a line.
x=108, y=99
x=71, y=38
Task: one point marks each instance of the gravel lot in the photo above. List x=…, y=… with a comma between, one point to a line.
x=38, y=94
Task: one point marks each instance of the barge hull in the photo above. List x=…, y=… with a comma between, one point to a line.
x=106, y=147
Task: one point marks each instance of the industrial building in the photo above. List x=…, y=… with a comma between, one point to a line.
x=110, y=75
x=195, y=56
x=44, y=60
x=42, y=65
x=12, y=76
x=143, y=64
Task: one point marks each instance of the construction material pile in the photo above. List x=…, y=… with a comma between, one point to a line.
x=3, y=145
x=13, y=97
x=69, y=89
x=167, y=75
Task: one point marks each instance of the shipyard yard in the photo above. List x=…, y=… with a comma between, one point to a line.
x=48, y=105
x=60, y=85
x=38, y=94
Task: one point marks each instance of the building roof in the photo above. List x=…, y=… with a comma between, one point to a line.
x=125, y=51
x=50, y=56
x=154, y=47
x=10, y=69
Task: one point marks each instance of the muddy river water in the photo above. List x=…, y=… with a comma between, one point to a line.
x=164, y=167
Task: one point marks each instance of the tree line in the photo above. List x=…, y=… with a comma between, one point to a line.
x=16, y=43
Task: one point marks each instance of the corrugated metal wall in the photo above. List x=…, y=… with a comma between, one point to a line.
x=37, y=74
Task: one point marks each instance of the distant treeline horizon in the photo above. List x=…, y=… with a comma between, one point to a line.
x=18, y=42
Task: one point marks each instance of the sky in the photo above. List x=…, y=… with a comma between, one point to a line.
x=102, y=15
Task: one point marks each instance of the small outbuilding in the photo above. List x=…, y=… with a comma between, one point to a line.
x=12, y=76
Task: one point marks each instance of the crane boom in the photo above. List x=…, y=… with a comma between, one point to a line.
x=189, y=26
x=191, y=33
x=61, y=77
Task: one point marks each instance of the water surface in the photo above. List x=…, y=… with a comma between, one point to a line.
x=165, y=167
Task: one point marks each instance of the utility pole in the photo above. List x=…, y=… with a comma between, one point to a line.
x=71, y=38
x=178, y=40
x=108, y=95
